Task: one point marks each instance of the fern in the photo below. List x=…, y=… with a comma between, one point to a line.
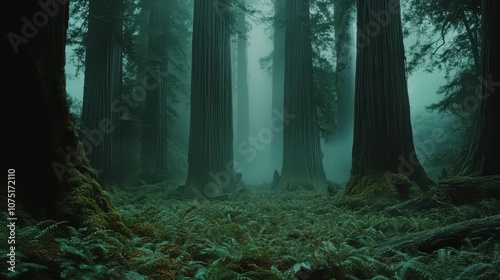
x=474, y=271
x=413, y=270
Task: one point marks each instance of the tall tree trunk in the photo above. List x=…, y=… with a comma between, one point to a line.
x=210, y=155
x=383, y=138
x=484, y=154
x=278, y=83
x=53, y=179
x=302, y=156
x=103, y=78
x=344, y=44
x=243, y=118
x=154, y=141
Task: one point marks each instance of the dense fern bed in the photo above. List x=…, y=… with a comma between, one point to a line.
x=253, y=235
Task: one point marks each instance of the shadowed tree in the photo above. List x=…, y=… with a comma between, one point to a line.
x=53, y=177
x=210, y=154
x=344, y=41
x=302, y=166
x=383, y=138
x=154, y=140
x=278, y=81
x=103, y=78
x=243, y=117
x=484, y=153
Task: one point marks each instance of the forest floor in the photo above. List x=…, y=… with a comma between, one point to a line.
x=252, y=235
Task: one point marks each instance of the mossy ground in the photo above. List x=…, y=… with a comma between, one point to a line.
x=251, y=235
x=377, y=188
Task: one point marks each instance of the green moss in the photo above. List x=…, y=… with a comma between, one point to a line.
x=84, y=204
x=376, y=187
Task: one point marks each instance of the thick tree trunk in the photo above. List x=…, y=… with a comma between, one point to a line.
x=344, y=43
x=302, y=157
x=53, y=179
x=452, y=235
x=383, y=137
x=484, y=154
x=278, y=83
x=243, y=124
x=210, y=156
x=154, y=141
x=103, y=78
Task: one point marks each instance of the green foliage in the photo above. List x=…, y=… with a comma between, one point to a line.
x=448, y=39
x=256, y=235
x=440, y=146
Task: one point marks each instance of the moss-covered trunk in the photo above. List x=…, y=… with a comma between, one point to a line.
x=383, y=137
x=53, y=176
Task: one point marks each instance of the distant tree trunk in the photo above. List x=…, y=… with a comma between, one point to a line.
x=344, y=39
x=484, y=154
x=53, y=179
x=154, y=141
x=278, y=83
x=243, y=125
x=210, y=156
x=302, y=156
x=103, y=79
x=383, y=138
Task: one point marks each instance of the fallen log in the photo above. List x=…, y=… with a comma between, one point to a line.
x=453, y=191
x=452, y=235
x=464, y=190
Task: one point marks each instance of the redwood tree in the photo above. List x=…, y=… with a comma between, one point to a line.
x=210, y=154
x=484, y=153
x=278, y=81
x=103, y=79
x=243, y=117
x=53, y=179
x=302, y=166
x=383, y=138
x=154, y=140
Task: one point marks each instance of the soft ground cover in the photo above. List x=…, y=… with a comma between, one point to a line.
x=252, y=235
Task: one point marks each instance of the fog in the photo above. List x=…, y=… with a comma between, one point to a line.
x=258, y=167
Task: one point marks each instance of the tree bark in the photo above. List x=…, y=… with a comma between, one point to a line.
x=302, y=157
x=278, y=83
x=243, y=117
x=154, y=140
x=453, y=191
x=210, y=156
x=484, y=153
x=53, y=178
x=469, y=190
x=383, y=138
x=452, y=235
x=103, y=79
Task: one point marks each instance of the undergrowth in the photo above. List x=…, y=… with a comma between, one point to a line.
x=254, y=235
